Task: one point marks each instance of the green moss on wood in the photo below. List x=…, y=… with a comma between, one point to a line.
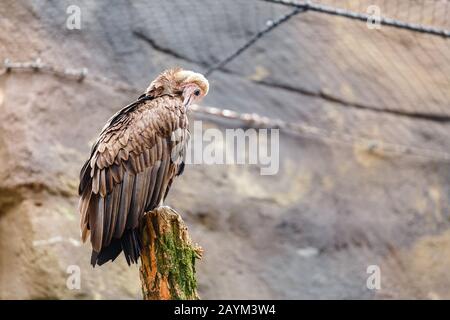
x=171, y=274
x=177, y=261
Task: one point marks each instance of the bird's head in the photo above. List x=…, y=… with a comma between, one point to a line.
x=192, y=86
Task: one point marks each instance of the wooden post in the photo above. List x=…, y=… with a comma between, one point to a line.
x=168, y=257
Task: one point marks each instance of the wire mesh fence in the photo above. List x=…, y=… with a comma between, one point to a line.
x=382, y=56
x=364, y=156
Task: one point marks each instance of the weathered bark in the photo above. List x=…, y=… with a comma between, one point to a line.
x=168, y=257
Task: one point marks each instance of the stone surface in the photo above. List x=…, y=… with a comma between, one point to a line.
x=310, y=231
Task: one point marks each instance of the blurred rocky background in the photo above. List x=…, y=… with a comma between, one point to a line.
x=338, y=203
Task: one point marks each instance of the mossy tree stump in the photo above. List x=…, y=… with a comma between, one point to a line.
x=168, y=257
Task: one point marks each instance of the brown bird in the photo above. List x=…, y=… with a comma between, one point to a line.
x=133, y=163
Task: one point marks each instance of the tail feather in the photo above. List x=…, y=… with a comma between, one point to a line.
x=129, y=243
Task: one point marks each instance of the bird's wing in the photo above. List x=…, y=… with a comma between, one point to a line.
x=131, y=166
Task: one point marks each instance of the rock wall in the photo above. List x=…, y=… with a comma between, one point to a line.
x=310, y=231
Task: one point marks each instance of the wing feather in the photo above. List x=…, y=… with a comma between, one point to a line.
x=96, y=223
x=102, y=186
x=107, y=219
x=153, y=176
x=96, y=180
x=125, y=199
x=129, y=171
x=115, y=173
x=114, y=211
x=156, y=197
x=136, y=201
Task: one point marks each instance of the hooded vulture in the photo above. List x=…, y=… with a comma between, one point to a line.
x=133, y=163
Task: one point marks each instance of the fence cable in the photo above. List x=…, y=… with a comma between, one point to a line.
x=247, y=119
x=325, y=9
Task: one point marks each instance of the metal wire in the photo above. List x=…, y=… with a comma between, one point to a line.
x=370, y=145
x=37, y=65
x=80, y=74
x=308, y=5
x=248, y=119
x=405, y=96
x=270, y=26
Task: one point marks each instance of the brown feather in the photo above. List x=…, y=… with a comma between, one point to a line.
x=96, y=224
x=152, y=182
x=102, y=188
x=109, y=180
x=157, y=187
x=131, y=164
x=107, y=219
x=115, y=210
x=115, y=173
x=101, y=147
x=137, y=163
x=153, y=154
x=146, y=154
x=83, y=205
x=123, y=154
x=137, y=201
x=142, y=161
x=129, y=171
x=125, y=199
x=110, y=154
x=96, y=181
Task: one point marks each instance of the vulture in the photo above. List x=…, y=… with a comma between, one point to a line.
x=132, y=164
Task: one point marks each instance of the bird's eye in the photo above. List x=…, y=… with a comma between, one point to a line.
x=197, y=92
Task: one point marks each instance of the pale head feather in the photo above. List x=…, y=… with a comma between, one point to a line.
x=186, y=76
x=172, y=81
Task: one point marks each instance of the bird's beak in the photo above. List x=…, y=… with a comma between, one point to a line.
x=186, y=101
x=188, y=94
